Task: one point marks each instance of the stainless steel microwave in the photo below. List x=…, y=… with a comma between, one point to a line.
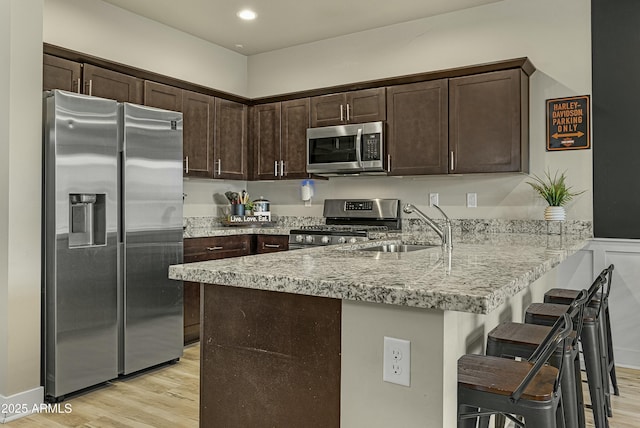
x=346, y=149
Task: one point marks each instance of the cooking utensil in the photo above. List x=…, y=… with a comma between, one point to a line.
x=261, y=205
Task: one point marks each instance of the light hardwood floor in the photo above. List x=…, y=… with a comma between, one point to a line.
x=168, y=397
x=164, y=397
x=626, y=407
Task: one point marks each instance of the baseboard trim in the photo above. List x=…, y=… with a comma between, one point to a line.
x=21, y=404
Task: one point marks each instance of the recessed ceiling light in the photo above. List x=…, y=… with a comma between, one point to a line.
x=239, y=46
x=247, y=14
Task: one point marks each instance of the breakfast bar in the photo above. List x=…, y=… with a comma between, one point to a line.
x=296, y=338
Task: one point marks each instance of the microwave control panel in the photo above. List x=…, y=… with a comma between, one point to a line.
x=371, y=147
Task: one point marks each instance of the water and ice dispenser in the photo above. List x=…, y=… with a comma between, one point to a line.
x=87, y=220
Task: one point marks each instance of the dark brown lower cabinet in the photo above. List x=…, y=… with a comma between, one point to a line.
x=198, y=250
x=271, y=243
x=219, y=247
x=269, y=359
x=191, y=312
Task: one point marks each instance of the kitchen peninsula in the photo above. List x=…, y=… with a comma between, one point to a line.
x=296, y=338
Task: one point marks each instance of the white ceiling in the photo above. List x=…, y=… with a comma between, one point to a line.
x=283, y=23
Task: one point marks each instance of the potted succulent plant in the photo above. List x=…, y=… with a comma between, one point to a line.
x=555, y=191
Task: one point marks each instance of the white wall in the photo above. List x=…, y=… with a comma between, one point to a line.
x=503, y=30
x=438, y=339
x=20, y=164
x=103, y=30
x=498, y=31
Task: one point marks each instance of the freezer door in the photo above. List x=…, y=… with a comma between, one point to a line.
x=152, y=219
x=80, y=197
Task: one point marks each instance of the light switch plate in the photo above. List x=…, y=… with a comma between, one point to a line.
x=433, y=199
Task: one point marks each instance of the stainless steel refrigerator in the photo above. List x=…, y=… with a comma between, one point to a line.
x=112, y=224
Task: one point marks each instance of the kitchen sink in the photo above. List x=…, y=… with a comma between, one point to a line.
x=398, y=248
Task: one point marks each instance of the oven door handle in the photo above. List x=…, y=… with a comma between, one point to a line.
x=359, y=148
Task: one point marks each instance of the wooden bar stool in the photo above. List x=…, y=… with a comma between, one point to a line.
x=489, y=385
x=564, y=296
x=511, y=339
x=592, y=346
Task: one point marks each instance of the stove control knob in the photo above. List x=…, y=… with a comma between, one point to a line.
x=325, y=239
x=353, y=241
x=308, y=239
x=342, y=240
x=299, y=238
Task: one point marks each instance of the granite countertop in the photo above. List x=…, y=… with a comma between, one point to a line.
x=477, y=276
x=204, y=232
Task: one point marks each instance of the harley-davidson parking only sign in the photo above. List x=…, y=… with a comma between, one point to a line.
x=568, y=124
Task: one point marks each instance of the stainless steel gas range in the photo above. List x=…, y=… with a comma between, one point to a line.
x=348, y=221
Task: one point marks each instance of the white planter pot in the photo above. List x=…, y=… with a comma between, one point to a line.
x=555, y=214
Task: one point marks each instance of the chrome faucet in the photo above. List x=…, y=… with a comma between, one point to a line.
x=445, y=234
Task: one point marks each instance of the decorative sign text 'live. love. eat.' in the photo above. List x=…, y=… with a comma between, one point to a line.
x=568, y=126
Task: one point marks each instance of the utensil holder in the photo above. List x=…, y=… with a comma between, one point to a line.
x=237, y=209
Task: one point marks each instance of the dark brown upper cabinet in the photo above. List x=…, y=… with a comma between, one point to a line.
x=417, y=128
x=481, y=126
x=367, y=105
x=231, y=142
x=162, y=96
x=488, y=122
x=214, y=131
x=293, y=143
x=104, y=83
x=265, y=136
x=59, y=73
x=279, y=136
x=198, y=118
x=198, y=115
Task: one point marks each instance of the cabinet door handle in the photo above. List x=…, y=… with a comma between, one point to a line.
x=219, y=166
x=282, y=173
x=214, y=248
x=90, y=85
x=275, y=168
x=453, y=163
x=347, y=112
x=186, y=164
x=272, y=245
x=79, y=90
x=388, y=163
x=341, y=113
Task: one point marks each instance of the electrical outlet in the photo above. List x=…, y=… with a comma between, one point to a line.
x=397, y=361
x=472, y=200
x=433, y=199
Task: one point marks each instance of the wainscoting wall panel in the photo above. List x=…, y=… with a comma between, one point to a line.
x=624, y=301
